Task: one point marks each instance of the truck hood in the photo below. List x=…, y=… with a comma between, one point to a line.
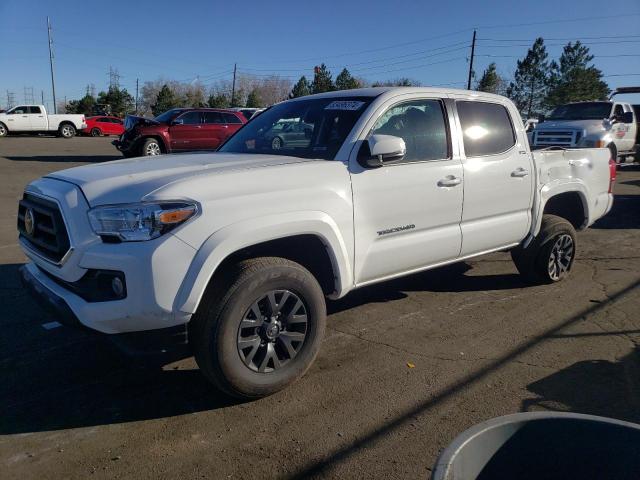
x=587, y=125
x=130, y=180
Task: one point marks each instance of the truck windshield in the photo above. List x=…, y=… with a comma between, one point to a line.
x=582, y=111
x=313, y=128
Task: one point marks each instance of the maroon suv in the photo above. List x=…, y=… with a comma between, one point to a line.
x=178, y=130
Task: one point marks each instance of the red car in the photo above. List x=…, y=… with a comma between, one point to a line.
x=98, y=126
x=179, y=129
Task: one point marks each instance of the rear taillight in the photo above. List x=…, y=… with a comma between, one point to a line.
x=612, y=174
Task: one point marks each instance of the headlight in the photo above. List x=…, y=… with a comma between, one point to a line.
x=139, y=221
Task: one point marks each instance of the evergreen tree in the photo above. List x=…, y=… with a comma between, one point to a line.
x=83, y=106
x=301, y=88
x=529, y=87
x=322, y=80
x=253, y=99
x=398, y=82
x=490, y=82
x=344, y=81
x=218, y=101
x=166, y=100
x=119, y=99
x=572, y=79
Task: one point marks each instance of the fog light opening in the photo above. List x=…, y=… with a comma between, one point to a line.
x=117, y=286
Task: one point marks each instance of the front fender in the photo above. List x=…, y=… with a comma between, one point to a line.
x=237, y=236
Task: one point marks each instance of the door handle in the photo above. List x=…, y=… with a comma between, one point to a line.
x=198, y=126
x=578, y=163
x=520, y=172
x=449, y=181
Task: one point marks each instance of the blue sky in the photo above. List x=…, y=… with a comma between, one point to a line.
x=426, y=41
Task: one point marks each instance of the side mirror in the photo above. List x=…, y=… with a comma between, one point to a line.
x=384, y=149
x=627, y=117
x=541, y=118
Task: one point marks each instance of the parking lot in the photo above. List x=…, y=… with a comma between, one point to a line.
x=405, y=365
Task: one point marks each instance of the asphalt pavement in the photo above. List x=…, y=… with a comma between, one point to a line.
x=405, y=366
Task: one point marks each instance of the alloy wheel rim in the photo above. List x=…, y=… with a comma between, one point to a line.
x=276, y=144
x=3, y=131
x=272, y=331
x=561, y=257
x=153, y=149
x=66, y=131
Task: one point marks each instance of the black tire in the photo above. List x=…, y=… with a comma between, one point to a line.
x=150, y=147
x=4, y=131
x=128, y=154
x=277, y=143
x=556, y=243
x=95, y=132
x=614, y=153
x=215, y=332
x=66, y=130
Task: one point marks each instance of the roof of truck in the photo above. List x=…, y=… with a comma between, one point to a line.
x=377, y=91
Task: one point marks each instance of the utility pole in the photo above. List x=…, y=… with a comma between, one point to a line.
x=53, y=83
x=233, y=88
x=42, y=96
x=473, y=51
x=136, y=96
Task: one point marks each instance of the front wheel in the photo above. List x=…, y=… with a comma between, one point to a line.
x=3, y=130
x=259, y=327
x=151, y=147
x=276, y=143
x=549, y=257
x=67, y=131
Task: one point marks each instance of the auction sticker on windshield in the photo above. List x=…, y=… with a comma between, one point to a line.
x=344, y=105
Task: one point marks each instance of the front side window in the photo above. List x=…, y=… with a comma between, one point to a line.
x=421, y=124
x=325, y=124
x=190, y=118
x=20, y=110
x=168, y=115
x=486, y=128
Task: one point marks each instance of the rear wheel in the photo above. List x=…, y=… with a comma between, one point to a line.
x=67, y=130
x=3, y=130
x=151, y=147
x=259, y=327
x=276, y=143
x=95, y=132
x=549, y=257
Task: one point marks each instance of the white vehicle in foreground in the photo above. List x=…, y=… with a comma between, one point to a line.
x=239, y=248
x=34, y=118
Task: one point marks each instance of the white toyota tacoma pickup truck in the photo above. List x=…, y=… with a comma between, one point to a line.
x=239, y=248
x=34, y=118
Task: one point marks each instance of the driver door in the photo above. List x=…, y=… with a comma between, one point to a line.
x=186, y=132
x=18, y=120
x=407, y=213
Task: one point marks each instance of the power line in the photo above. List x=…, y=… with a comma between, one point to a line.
x=559, y=38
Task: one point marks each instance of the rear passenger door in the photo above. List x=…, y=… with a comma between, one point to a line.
x=407, y=213
x=214, y=129
x=232, y=125
x=498, y=176
x=37, y=119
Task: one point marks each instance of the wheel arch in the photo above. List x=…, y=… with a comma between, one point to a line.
x=569, y=201
x=161, y=142
x=310, y=238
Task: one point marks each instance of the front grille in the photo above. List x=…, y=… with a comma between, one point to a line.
x=48, y=235
x=555, y=138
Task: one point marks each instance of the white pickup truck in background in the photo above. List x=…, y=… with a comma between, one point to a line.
x=239, y=248
x=613, y=125
x=34, y=118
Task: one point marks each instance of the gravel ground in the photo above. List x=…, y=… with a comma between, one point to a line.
x=405, y=366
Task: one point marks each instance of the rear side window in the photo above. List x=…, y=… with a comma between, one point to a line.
x=213, y=117
x=486, y=128
x=34, y=110
x=231, y=118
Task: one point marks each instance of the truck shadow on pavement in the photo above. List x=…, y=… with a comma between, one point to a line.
x=65, y=158
x=623, y=215
x=596, y=387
